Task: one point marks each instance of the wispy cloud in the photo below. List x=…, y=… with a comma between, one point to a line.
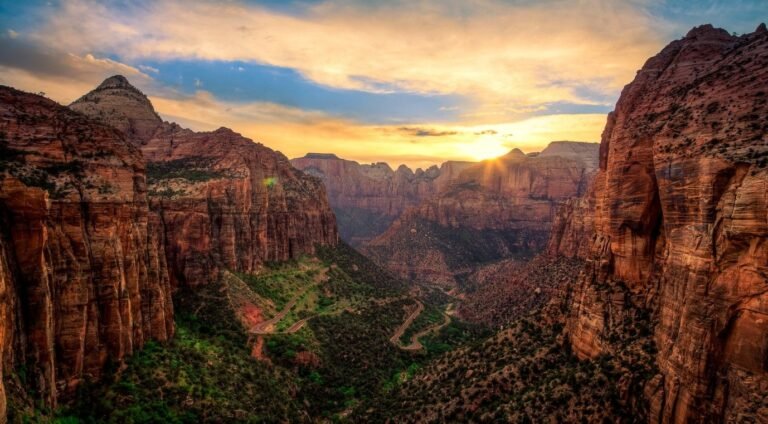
x=147, y=68
x=514, y=74
x=295, y=131
x=508, y=56
x=425, y=132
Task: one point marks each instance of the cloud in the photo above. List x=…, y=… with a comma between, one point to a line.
x=40, y=59
x=147, y=68
x=425, y=132
x=12, y=34
x=509, y=60
x=296, y=132
x=509, y=56
x=64, y=77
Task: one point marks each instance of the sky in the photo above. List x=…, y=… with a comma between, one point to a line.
x=412, y=81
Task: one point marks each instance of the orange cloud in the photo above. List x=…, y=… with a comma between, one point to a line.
x=509, y=58
x=296, y=132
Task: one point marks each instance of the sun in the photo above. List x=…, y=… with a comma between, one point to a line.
x=486, y=149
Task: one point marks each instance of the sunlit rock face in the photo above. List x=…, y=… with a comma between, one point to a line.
x=493, y=210
x=368, y=198
x=83, y=278
x=677, y=213
x=224, y=202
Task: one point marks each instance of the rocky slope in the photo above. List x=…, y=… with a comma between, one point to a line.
x=493, y=210
x=678, y=216
x=224, y=201
x=367, y=198
x=501, y=293
x=83, y=277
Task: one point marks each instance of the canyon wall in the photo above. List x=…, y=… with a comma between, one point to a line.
x=101, y=218
x=677, y=215
x=223, y=201
x=495, y=209
x=368, y=198
x=83, y=278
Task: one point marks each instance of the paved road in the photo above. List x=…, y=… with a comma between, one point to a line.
x=415, y=344
x=268, y=326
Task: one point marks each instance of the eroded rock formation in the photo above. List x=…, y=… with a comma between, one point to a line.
x=83, y=277
x=678, y=211
x=367, y=198
x=495, y=209
x=224, y=201
x=99, y=218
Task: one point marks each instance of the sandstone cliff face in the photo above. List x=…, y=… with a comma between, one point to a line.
x=7, y=308
x=83, y=277
x=679, y=216
x=493, y=210
x=223, y=201
x=367, y=198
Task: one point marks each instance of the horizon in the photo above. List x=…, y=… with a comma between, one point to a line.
x=434, y=92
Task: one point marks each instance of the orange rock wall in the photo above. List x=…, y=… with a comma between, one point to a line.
x=82, y=274
x=678, y=212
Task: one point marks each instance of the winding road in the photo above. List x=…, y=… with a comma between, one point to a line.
x=407, y=323
x=415, y=343
x=268, y=326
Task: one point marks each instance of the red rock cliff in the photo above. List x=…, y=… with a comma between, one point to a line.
x=83, y=277
x=367, y=198
x=224, y=202
x=678, y=212
x=493, y=210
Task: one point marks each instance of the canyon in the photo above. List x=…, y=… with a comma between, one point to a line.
x=657, y=273
x=367, y=198
x=156, y=271
x=494, y=210
x=107, y=210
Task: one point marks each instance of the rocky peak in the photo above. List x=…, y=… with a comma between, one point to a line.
x=329, y=156
x=377, y=171
x=226, y=131
x=707, y=31
x=761, y=29
x=514, y=153
x=404, y=170
x=116, y=81
x=577, y=150
x=432, y=172
x=119, y=104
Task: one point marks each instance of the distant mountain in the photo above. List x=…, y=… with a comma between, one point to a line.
x=368, y=197
x=496, y=209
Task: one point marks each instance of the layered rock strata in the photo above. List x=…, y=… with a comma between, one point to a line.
x=678, y=211
x=497, y=209
x=83, y=277
x=368, y=198
x=224, y=201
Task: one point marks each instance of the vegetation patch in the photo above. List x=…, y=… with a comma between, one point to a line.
x=194, y=169
x=205, y=374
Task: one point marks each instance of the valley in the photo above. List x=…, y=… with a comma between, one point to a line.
x=152, y=273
